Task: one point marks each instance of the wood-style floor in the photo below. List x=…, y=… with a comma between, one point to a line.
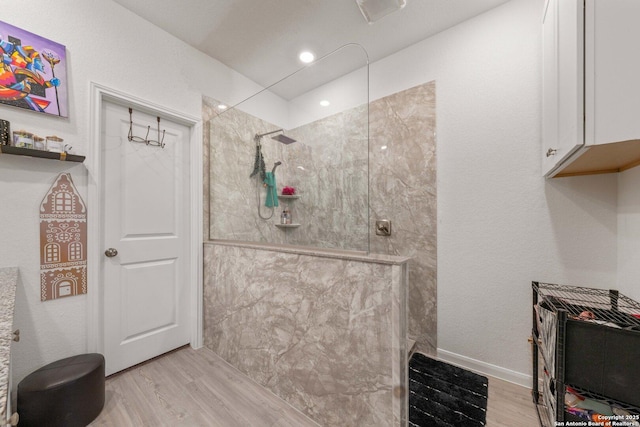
x=194, y=388
x=510, y=405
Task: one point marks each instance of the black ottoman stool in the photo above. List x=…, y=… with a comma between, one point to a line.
x=66, y=393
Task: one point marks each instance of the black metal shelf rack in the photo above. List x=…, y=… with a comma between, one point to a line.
x=587, y=339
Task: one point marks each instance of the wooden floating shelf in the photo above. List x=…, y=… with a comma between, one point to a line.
x=30, y=152
x=287, y=225
x=283, y=196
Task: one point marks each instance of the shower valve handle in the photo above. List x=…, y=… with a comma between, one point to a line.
x=383, y=227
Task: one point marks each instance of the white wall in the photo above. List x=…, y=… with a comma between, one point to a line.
x=629, y=233
x=108, y=45
x=500, y=224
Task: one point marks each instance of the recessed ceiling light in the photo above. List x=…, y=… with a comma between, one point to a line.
x=325, y=103
x=222, y=107
x=384, y=147
x=307, y=57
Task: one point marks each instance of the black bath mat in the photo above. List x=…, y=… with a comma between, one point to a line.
x=443, y=395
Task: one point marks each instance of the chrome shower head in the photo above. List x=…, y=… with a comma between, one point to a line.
x=283, y=138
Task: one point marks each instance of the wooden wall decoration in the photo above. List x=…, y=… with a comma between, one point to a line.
x=63, y=241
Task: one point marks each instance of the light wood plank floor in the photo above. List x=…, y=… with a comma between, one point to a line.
x=510, y=405
x=192, y=388
x=195, y=388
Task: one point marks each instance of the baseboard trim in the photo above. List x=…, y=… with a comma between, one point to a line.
x=485, y=368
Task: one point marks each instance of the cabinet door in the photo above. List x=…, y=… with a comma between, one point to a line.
x=612, y=64
x=549, y=84
x=563, y=81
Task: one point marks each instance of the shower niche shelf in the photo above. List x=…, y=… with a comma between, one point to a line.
x=285, y=226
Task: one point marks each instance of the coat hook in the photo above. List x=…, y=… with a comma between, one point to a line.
x=159, y=142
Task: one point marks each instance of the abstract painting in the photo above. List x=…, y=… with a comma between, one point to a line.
x=33, y=72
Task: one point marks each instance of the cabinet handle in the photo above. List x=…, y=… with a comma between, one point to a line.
x=16, y=335
x=551, y=152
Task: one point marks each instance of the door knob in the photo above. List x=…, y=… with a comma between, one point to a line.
x=111, y=252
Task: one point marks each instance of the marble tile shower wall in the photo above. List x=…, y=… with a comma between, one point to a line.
x=233, y=207
x=328, y=168
x=403, y=189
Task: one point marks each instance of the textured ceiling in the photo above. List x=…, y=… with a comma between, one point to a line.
x=261, y=39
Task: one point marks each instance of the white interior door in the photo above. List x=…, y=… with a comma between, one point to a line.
x=146, y=223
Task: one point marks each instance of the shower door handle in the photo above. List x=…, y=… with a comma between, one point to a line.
x=111, y=252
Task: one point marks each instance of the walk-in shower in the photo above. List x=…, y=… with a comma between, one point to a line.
x=278, y=310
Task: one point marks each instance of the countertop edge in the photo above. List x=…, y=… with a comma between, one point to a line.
x=8, y=284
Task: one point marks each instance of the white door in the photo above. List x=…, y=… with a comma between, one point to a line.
x=146, y=231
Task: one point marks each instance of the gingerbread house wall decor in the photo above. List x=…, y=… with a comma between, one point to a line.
x=63, y=241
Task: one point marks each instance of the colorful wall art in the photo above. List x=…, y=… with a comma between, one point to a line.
x=33, y=72
x=63, y=241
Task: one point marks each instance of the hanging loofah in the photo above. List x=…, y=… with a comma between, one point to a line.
x=258, y=165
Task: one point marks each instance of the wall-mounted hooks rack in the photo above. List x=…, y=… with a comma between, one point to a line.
x=158, y=143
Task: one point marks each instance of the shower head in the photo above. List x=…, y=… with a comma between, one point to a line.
x=260, y=135
x=283, y=138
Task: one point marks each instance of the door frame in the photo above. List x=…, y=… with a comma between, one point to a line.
x=95, y=220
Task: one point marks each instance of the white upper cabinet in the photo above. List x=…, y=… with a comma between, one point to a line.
x=591, y=86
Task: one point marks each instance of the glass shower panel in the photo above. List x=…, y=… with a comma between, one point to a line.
x=309, y=132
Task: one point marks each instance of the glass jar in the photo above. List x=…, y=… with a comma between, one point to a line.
x=38, y=142
x=22, y=139
x=55, y=144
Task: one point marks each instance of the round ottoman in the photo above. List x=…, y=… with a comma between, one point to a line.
x=69, y=393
